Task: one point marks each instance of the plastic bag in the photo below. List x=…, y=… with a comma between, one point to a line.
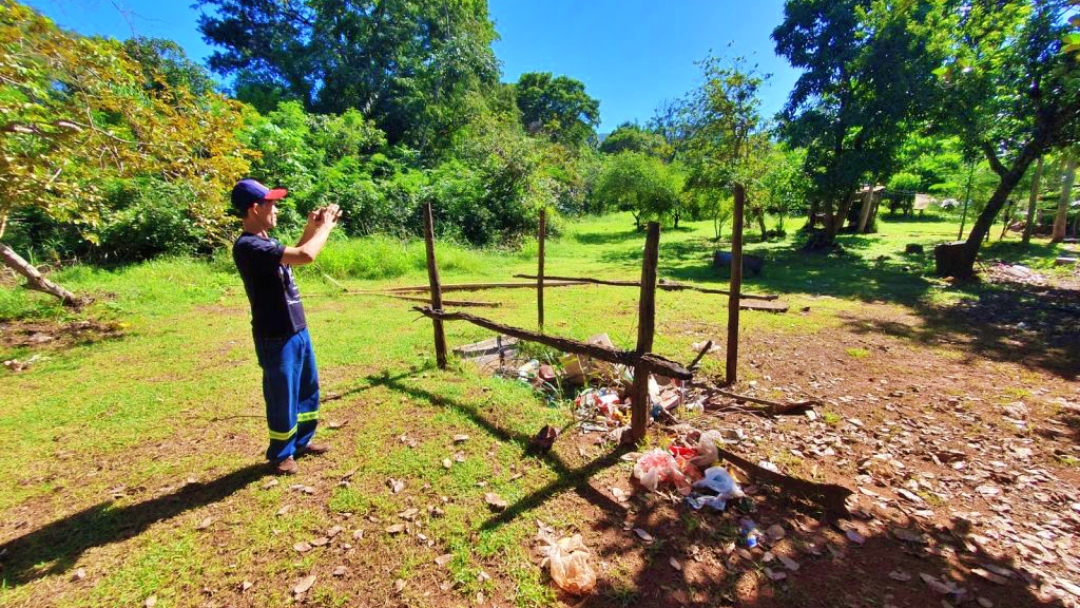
x=706, y=448
x=659, y=466
x=568, y=561
x=720, y=481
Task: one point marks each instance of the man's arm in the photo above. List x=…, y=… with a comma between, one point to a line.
x=318, y=228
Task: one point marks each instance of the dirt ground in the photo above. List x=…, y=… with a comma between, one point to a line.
x=959, y=442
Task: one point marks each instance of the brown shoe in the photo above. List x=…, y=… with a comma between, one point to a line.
x=286, y=467
x=314, y=449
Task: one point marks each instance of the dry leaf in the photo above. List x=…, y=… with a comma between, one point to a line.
x=304, y=584
x=320, y=542
x=461, y=438
x=643, y=535
x=395, y=529
x=332, y=532
x=444, y=559
x=341, y=571
x=495, y=501
x=79, y=575
x=284, y=510
x=675, y=564
x=204, y=524
x=855, y=537
x=244, y=586
x=399, y=585
x=302, y=547
x=789, y=563
x=900, y=576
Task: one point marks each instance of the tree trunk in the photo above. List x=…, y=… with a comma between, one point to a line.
x=815, y=206
x=34, y=279
x=964, y=265
x=1061, y=220
x=1033, y=202
x=864, y=213
x=761, y=225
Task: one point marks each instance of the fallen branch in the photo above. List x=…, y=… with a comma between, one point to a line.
x=473, y=287
x=693, y=364
x=461, y=303
x=775, y=408
x=665, y=285
x=653, y=363
x=830, y=496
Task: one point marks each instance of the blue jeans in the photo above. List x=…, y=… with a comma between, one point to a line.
x=291, y=390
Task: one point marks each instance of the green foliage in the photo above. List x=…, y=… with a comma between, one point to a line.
x=80, y=114
x=641, y=184
x=866, y=78
x=414, y=67
x=557, y=106
x=632, y=137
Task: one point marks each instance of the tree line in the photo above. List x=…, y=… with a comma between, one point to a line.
x=119, y=151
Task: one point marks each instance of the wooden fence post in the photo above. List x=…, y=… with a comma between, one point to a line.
x=736, y=286
x=436, y=291
x=646, y=330
x=540, y=273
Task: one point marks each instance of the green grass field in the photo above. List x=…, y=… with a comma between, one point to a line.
x=138, y=459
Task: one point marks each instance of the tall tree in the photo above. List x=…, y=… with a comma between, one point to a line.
x=79, y=112
x=1011, y=90
x=410, y=65
x=557, y=106
x=1061, y=218
x=726, y=136
x=866, y=74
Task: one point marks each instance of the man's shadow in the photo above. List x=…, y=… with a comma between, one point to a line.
x=56, y=547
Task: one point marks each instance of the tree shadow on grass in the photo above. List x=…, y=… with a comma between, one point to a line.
x=568, y=478
x=56, y=547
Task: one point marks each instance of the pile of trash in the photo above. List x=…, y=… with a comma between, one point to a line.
x=1004, y=272
x=600, y=390
x=689, y=466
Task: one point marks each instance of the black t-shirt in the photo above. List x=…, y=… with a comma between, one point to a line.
x=276, y=310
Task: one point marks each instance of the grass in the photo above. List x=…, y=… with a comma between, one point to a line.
x=102, y=437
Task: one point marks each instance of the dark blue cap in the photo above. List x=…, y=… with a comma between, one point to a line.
x=248, y=192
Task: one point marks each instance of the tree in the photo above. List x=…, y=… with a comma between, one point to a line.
x=726, y=139
x=558, y=107
x=80, y=114
x=1010, y=89
x=414, y=66
x=866, y=75
x=640, y=184
x=632, y=137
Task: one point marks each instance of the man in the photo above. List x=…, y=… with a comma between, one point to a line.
x=282, y=342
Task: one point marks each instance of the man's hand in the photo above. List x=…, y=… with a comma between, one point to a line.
x=329, y=215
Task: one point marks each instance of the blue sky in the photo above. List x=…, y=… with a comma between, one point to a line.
x=631, y=54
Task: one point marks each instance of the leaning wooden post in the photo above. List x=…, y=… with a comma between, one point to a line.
x=436, y=291
x=540, y=273
x=639, y=393
x=736, y=286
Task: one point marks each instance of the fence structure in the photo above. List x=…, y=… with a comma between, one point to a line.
x=641, y=359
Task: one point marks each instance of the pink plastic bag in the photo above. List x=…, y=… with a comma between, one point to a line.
x=657, y=467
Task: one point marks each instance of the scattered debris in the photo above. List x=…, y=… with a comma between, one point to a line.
x=495, y=501
x=568, y=562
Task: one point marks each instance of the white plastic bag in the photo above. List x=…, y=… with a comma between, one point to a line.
x=706, y=448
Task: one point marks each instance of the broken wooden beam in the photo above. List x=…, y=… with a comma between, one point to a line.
x=772, y=306
x=655, y=364
x=461, y=303
x=774, y=408
x=472, y=287
x=663, y=284
x=832, y=497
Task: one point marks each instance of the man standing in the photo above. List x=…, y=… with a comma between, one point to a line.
x=282, y=342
